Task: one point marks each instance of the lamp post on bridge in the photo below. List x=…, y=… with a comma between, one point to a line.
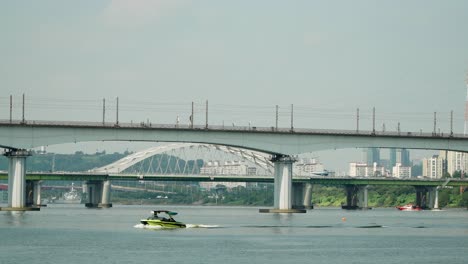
x=117, y=112
x=357, y=120
x=103, y=110
x=373, y=120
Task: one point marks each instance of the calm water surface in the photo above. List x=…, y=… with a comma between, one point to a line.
x=73, y=234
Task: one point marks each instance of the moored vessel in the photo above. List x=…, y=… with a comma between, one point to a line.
x=71, y=197
x=409, y=207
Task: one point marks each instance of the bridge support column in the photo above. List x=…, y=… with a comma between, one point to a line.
x=33, y=193
x=283, y=186
x=308, y=196
x=351, y=198
x=17, y=181
x=106, y=191
x=356, y=197
x=302, y=196
x=98, y=194
x=421, y=196
x=433, y=197
x=94, y=191
x=362, y=202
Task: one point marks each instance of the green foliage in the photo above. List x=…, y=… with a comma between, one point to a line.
x=444, y=198
x=464, y=199
x=66, y=162
x=456, y=174
x=446, y=175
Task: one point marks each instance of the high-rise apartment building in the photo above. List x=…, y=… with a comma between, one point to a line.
x=433, y=167
x=400, y=171
x=455, y=161
x=403, y=157
x=373, y=156
x=359, y=169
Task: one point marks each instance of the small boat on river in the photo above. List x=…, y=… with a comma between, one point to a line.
x=162, y=218
x=409, y=207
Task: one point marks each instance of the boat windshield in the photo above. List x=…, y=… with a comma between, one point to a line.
x=167, y=215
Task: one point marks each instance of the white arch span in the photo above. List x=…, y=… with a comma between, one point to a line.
x=256, y=157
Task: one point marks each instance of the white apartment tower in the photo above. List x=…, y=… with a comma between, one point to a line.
x=433, y=167
x=400, y=171
x=359, y=169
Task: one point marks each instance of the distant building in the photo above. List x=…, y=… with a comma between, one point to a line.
x=433, y=167
x=392, y=161
x=358, y=169
x=233, y=168
x=309, y=167
x=455, y=161
x=373, y=156
x=229, y=185
x=227, y=168
x=401, y=156
x=400, y=171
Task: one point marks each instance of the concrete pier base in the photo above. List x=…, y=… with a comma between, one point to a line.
x=302, y=196
x=286, y=211
x=356, y=198
x=427, y=197
x=17, y=199
x=105, y=198
x=98, y=194
x=283, y=196
x=33, y=191
x=20, y=208
x=101, y=205
x=283, y=186
x=433, y=197
x=283, y=182
x=422, y=197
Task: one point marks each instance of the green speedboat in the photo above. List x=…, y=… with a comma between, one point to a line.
x=164, y=220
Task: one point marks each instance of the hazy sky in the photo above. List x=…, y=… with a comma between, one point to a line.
x=406, y=58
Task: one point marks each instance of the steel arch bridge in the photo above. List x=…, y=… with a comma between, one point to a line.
x=189, y=158
x=181, y=158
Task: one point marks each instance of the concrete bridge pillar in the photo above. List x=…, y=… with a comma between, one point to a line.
x=433, y=198
x=17, y=180
x=362, y=201
x=283, y=186
x=356, y=197
x=98, y=194
x=308, y=196
x=351, y=197
x=421, y=197
x=283, y=182
x=106, y=191
x=302, y=196
x=33, y=193
x=94, y=191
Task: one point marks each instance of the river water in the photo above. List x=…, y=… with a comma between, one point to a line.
x=73, y=234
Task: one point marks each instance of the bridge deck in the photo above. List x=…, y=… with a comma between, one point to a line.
x=271, y=140
x=64, y=176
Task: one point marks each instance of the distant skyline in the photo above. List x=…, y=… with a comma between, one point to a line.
x=408, y=59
